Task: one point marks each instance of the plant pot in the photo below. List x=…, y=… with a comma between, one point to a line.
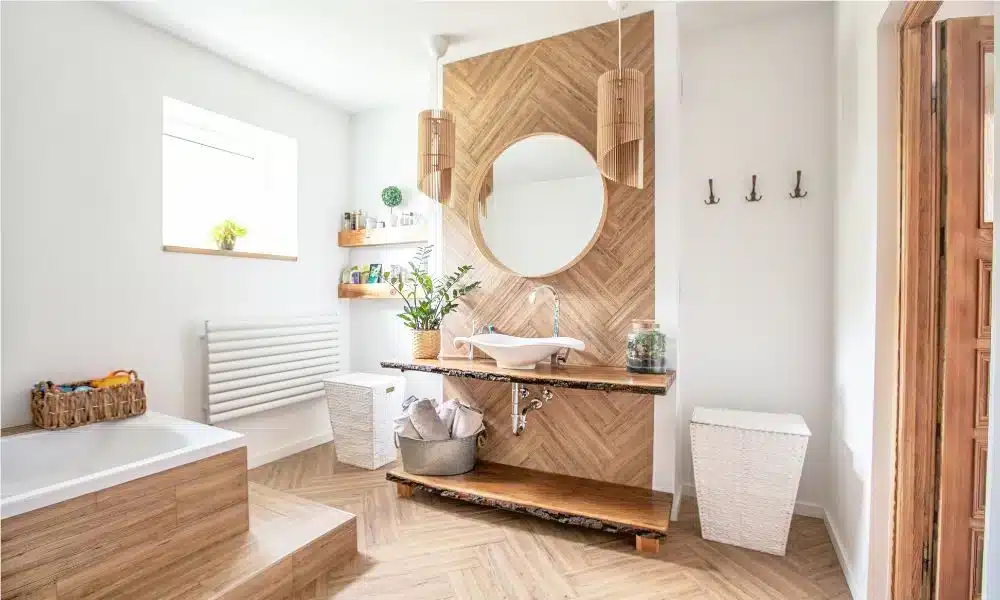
x=227, y=245
x=426, y=344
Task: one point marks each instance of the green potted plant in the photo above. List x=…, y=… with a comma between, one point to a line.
x=392, y=197
x=226, y=233
x=427, y=301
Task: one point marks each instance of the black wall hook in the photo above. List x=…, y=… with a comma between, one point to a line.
x=711, y=195
x=753, y=197
x=798, y=193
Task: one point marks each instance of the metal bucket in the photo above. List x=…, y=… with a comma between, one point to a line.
x=441, y=457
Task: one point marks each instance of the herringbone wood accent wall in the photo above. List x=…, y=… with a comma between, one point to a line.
x=497, y=98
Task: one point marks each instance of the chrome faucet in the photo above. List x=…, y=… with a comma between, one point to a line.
x=556, y=358
x=555, y=305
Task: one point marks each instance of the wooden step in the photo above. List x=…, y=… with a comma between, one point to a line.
x=291, y=545
x=588, y=503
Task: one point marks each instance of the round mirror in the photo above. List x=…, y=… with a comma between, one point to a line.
x=541, y=206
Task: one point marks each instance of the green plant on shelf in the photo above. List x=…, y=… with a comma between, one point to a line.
x=226, y=234
x=428, y=300
x=392, y=197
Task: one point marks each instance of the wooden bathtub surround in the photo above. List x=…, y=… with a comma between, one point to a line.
x=550, y=86
x=580, y=377
x=291, y=545
x=196, y=531
x=592, y=504
x=91, y=545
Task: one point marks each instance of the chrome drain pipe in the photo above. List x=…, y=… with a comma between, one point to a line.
x=519, y=416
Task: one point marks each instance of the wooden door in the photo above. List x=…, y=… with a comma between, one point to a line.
x=965, y=80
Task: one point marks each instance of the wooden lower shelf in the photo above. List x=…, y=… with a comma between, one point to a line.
x=572, y=500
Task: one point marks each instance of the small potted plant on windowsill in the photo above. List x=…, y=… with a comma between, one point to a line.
x=226, y=233
x=427, y=301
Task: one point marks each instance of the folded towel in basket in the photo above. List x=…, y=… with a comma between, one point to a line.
x=404, y=427
x=424, y=418
x=467, y=421
x=446, y=412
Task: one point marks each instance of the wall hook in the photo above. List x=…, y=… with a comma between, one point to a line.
x=753, y=197
x=798, y=193
x=711, y=195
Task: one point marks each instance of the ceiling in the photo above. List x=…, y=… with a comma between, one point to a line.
x=362, y=54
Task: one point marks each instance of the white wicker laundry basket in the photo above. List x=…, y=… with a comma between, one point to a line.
x=746, y=471
x=361, y=409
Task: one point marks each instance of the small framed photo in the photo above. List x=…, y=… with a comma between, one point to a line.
x=374, y=272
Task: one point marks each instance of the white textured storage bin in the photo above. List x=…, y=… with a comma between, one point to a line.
x=747, y=467
x=361, y=409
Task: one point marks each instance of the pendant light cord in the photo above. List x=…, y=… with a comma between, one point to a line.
x=619, y=38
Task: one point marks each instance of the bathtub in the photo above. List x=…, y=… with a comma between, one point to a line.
x=42, y=468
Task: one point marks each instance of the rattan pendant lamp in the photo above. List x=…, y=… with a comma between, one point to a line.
x=621, y=119
x=436, y=139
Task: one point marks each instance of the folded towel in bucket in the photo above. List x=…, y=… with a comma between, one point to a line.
x=424, y=417
x=404, y=427
x=446, y=412
x=467, y=421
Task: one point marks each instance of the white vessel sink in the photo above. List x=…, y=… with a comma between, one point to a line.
x=513, y=352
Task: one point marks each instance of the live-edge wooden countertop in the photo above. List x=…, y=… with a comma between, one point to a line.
x=583, y=377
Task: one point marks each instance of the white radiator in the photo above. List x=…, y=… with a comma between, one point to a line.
x=254, y=366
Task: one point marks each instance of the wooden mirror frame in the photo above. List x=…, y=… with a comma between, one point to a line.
x=477, y=189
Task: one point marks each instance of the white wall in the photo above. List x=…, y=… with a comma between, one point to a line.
x=669, y=430
x=86, y=287
x=382, y=144
x=756, y=280
x=865, y=313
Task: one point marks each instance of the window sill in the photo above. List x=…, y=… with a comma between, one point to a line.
x=232, y=253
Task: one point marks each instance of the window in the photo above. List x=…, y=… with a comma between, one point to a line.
x=216, y=168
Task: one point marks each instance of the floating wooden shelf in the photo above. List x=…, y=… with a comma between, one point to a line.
x=411, y=234
x=587, y=503
x=581, y=377
x=230, y=253
x=366, y=290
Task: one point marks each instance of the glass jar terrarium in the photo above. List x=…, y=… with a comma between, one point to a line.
x=646, y=351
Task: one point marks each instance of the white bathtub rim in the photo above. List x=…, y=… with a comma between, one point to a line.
x=81, y=486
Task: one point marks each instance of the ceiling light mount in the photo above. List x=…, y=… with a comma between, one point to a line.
x=437, y=45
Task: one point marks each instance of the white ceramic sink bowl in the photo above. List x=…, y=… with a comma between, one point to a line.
x=513, y=352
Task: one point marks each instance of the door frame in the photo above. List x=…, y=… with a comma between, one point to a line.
x=919, y=344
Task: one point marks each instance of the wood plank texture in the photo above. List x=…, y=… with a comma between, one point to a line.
x=429, y=547
x=582, y=377
x=916, y=411
x=965, y=306
x=550, y=86
x=381, y=291
x=291, y=544
x=384, y=236
x=92, y=545
x=230, y=253
x=571, y=500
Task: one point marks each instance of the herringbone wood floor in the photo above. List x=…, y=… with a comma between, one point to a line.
x=430, y=547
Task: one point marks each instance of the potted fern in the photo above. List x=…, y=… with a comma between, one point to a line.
x=226, y=233
x=427, y=301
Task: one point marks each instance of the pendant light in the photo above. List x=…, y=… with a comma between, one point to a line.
x=436, y=139
x=621, y=120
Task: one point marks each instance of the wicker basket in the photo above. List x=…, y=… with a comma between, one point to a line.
x=361, y=406
x=746, y=470
x=52, y=409
x=426, y=344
